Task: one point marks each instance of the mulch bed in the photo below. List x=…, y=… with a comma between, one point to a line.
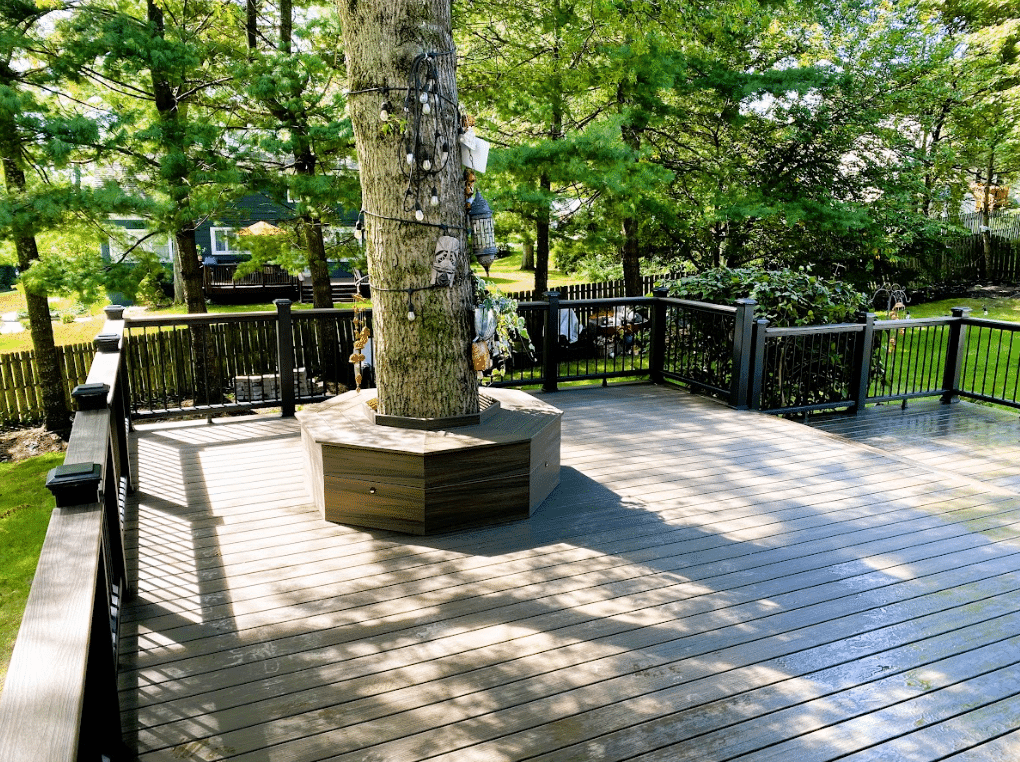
x=19, y=444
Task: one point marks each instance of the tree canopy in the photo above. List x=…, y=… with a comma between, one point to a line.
x=841, y=133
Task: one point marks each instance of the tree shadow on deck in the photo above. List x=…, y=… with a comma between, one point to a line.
x=728, y=595
x=178, y=562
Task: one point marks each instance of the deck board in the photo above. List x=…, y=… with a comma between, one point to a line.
x=703, y=584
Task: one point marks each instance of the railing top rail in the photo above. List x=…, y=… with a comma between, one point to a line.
x=644, y=300
x=616, y=300
x=44, y=696
x=911, y=322
x=808, y=330
x=325, y=312
x=1005, y=325
x=208, y=318
x=696, y=305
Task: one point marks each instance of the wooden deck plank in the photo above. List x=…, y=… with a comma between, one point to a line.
x=697, y=569
x=573, y=577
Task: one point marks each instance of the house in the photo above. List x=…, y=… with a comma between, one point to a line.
x=221, y=248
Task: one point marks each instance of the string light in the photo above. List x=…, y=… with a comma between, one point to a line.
x=426, y=151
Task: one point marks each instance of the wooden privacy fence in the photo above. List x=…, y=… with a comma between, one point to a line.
x=965, y=259
x=20, y=390
x=609, y=289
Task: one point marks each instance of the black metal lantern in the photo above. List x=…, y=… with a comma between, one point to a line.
x=483, y=233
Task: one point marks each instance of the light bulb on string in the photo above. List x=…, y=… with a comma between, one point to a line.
x=424, y=97
x=410, y=158
x=434, y=198
x=418, y=213
x=410, y=305
x=446, y=152
x=426, y=109
x=384, y=112
x=426, y=163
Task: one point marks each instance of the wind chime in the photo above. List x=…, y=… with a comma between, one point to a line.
x=362, y=334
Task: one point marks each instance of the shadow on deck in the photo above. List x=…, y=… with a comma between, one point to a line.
x=703, y=585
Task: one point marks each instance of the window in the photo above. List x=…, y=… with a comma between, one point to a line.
x=124, y=239
x=224, y=241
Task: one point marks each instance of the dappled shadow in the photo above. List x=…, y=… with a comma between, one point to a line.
x=698, y=574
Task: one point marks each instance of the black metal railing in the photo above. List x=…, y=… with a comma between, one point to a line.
x=804, y=369
x=215, y=364
x=60, y=700
x=990, y=370
x=229, y=362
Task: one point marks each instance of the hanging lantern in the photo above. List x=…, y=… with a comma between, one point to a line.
x=483, y=233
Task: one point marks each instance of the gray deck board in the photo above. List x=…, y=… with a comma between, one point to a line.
x=704, y=584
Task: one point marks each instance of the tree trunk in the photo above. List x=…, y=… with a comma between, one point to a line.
x=311, y=229
x=631, y=258
x=542, y=242
x=528, y=256
x=174, y=142
x=986, y=219
x=191, y=270
x=631, y=253
x=206, y=359
x=423, y=366
x=56, y=412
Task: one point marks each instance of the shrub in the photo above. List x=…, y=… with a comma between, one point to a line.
x=785, y=297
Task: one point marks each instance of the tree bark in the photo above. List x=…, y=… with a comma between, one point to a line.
x=542, y=243
x=528, y=256
x=174, y=140
x=423, y=366
x=57, y=414
x=986, y=218
x=631, y=258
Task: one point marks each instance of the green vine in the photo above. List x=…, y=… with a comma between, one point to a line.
x=510, y=326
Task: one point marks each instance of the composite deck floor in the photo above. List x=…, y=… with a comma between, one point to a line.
x=703, y=585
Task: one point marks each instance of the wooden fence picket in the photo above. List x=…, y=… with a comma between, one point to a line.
x=21, y=398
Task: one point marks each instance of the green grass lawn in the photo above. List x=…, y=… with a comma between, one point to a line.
x=506, y=275
x=990, y=366
x=25, y=506
x=998, y=309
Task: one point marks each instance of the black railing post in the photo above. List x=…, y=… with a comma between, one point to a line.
x=758, y=364
x=551, y=342
x=285, y=355
x=657, y=349
x=956, y=351
x=860, y=373
x=742, y=355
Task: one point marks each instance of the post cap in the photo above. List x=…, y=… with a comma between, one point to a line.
x=107, y=342
x=91, y=396
x=74, y=484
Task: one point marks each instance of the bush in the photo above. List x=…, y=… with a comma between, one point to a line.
x=784, y=297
